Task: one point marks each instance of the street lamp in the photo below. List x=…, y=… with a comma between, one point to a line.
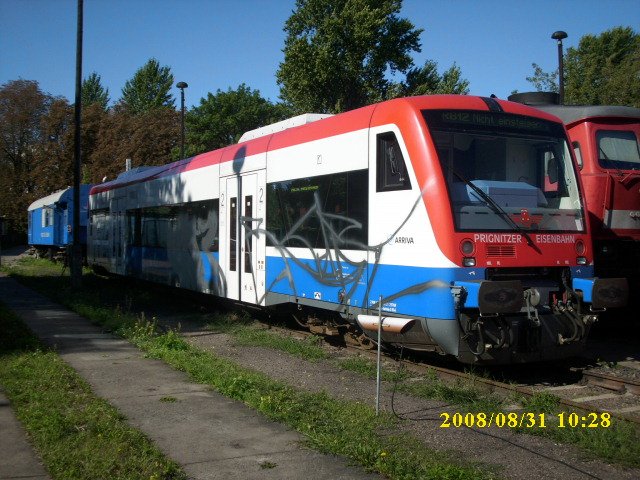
x=182, y=86
x=559, y=36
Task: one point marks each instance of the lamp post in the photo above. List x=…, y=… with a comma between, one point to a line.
x=182, y=86
x=559, y=36
x=76, y=248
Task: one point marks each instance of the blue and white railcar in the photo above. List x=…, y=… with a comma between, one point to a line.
x=460, y=218
x=50, y=221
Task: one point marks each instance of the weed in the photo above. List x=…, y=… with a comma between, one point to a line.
x=308, y=348
x=76, y=434
x=620, y=443
x=540, y=402
x=368, y=369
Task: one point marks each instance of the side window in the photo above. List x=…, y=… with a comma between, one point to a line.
x=327, y=211
x=578, y=152
x=551, y=172
x=206, y=230
x=134, y=222
x=618, y=149
x=391, y=170
x=47, y=216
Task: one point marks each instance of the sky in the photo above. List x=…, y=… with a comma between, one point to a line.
x=220, y=44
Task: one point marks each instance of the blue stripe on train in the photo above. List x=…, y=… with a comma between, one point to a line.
x=415, y=291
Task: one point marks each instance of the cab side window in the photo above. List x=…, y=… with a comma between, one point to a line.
x=391, y=170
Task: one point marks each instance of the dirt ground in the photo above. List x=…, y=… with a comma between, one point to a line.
x=511, y=455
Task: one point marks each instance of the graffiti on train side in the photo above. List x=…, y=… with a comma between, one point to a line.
x=330, y=265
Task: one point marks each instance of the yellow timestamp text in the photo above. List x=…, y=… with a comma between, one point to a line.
x=525, y=420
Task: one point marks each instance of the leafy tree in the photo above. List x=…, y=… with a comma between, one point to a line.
x=93, y=116
x=22, y=108
x=452, y=82
x=94, y=92
x=543, y=81
x=222, y=118
x=337, y=53
x=147, y=138
x=148, y=89
x=37, y=144
x=427, y=81
x=22, y=105
x=602, y=70
x=54, y=152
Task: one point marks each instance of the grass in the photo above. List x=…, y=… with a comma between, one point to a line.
x=428, y=386
x=75, y=433
x=246, y=332
x=619, y=443
x=350, y=429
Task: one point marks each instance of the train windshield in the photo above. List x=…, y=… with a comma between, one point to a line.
x=618, y=149
x=506, y=172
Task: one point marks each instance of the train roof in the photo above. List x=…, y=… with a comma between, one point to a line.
x=49, y=199
x=64, y=194
x=283, y=125
x=309, y=127
x=573, y=113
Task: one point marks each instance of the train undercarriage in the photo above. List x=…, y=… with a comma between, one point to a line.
x=528, y=328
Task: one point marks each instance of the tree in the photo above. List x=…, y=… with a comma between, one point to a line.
x=427, y=81
x=222, y=118
x=147, y=138
x=93, y=117
x=148, y=89
x=543, y=81
x=53, y=153
x=337, y=53
x=602, y=70
x=94, y=92
x=22, y=108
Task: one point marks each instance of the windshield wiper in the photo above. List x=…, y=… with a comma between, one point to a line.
x=493, y=205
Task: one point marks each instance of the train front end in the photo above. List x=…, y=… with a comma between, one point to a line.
x=516, y=228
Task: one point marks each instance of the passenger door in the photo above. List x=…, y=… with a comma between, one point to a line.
x=117, y=234
x=242, y=245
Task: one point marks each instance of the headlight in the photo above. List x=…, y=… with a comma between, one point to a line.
x=467, y=247
x=469, y=261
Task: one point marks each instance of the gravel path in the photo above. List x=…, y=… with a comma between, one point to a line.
x=512, y=455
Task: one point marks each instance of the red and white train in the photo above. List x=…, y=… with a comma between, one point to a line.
x=461, y=219
x=606, y=141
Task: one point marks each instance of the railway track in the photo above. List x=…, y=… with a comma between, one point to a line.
x=592, y=392
x=610, y=382
x=578, y=389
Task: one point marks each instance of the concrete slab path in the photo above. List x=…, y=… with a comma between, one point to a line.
x=17, y=458
x=211, y=436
